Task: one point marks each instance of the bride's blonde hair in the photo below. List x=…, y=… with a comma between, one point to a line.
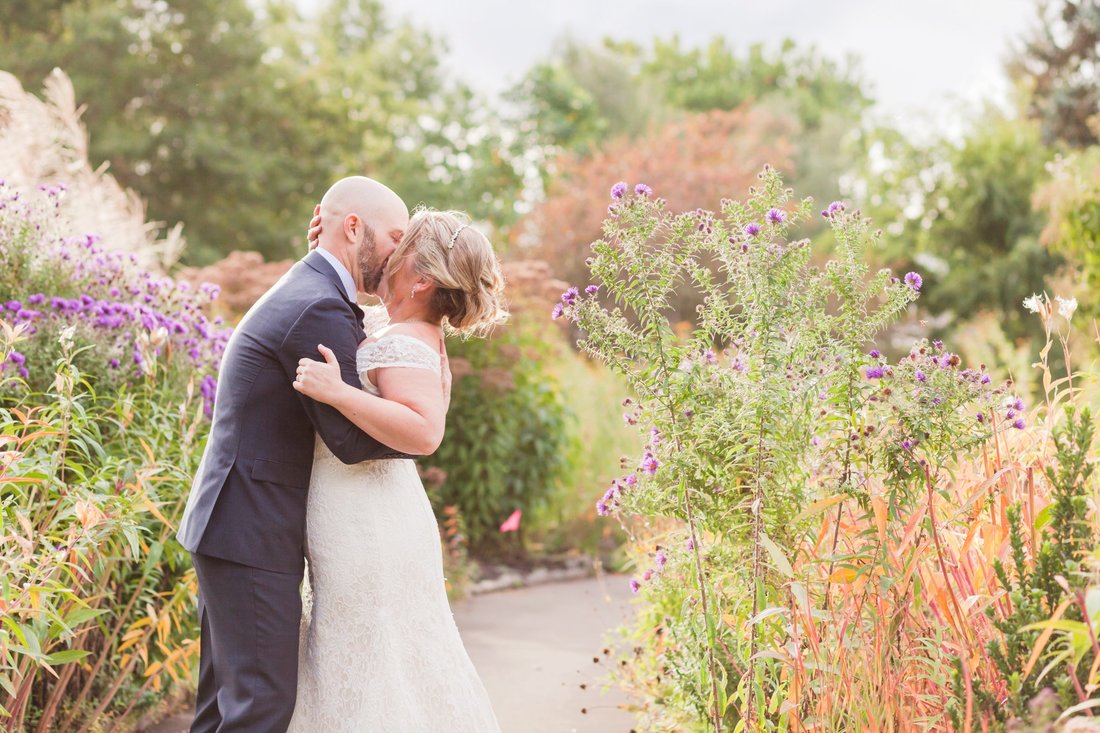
x=443, y=247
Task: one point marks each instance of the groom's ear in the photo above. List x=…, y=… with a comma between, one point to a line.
x=353, y=225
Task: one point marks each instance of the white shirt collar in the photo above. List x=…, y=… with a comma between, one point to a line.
x=345, y=276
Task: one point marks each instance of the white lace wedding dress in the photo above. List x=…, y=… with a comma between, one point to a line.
x=380, y=650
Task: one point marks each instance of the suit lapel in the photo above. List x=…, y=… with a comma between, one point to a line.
x=316, y=261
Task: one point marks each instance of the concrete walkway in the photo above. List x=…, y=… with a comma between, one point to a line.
x=534, y=649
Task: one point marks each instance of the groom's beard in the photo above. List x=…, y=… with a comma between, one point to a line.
x=371, y=265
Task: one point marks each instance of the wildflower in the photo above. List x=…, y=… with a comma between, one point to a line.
x=835, y=208
x=629, y=419
x=654, y=436
x=570, y=296
x=650, y=464
x=914, y=281
x=592, y=289
x=752, y=229
x=17, y=358
x=601, y=508
x=815, y=441
x=643, y=190
x=710, y=357
x=1066, y=308
x=1019, y=423
x=1033, y=304
x=690, y=544
x=557, y=312
x=981, y=417
x=875, y=372
x=14, y=305
x=986, y=379
x=36, y=299
x=775, y=216
x=907, y=444
x=635, y=586
x=938, y=345
x=631, y=479
x=618, y=190
x=921, y=376
x=874, y=354
x=1010, y=414
x=647, y=576
x=660, y=560
x=114, y=363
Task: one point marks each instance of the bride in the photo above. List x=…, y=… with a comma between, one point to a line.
x=380, y=649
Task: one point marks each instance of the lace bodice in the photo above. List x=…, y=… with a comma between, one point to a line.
x=396, y=350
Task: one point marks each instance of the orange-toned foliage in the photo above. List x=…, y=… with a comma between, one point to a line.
x=693, y=161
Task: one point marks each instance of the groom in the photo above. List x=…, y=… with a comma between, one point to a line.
x=245, y=518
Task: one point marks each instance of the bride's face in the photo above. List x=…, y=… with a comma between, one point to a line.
x=398, y=281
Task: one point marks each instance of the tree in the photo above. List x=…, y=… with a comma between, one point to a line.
x=961, y=214
x=689, y=162
x=1059, y=67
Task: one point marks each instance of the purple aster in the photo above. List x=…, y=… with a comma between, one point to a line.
x=1010, y=414
x=921, y=376
x=643, y=190
x=114, y=363
x=631, y=479
x=981, y=417
x=752, y=229
x=914, y=281
x=592, y=289
x=874, y=354
x=601, y=508
x=907, y=444
x=1018, y=405
x=710, y=357
x=775, y=216
x=23, y=372
x=835, y=208
x=650, y=464
x=986, y=379
x=875, y=372
x=557, y=312
x=570, y=296
x=647, y=576
x=36, y=299
x=690, y=544
x=14, y=305
x=1019, y=423
x=938, y=345
x=660, y=560
x=618, y=190
x=17, y=358
x=635, y=586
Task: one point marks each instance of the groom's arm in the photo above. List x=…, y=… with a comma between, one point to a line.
x=330, y=322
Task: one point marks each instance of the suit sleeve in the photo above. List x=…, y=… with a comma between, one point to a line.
x=332, y=323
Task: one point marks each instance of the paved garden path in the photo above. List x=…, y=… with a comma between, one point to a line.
x=534, y=649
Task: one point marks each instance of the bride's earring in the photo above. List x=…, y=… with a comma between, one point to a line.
x=412, y=293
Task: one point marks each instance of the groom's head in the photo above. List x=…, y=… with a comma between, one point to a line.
x=362, y=222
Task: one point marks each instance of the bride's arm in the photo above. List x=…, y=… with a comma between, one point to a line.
x=409, y=416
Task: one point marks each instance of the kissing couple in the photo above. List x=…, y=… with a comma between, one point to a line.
x=319, y=411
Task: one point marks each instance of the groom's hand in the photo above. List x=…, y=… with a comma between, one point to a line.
x=313, y=234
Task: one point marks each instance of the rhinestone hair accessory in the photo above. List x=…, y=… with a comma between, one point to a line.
x=454, y=237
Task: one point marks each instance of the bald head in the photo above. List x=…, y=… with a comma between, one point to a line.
x=361, y=223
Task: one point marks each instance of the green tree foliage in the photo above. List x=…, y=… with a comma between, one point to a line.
x=1059, y=67
x=961, y=213
x=234, y=121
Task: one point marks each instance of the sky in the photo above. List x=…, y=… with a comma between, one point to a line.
x=923, y=60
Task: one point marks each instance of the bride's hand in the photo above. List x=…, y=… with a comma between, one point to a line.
x=320, y=380
x=313, y=234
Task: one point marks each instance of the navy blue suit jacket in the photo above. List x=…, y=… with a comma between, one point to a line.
x=248, y=498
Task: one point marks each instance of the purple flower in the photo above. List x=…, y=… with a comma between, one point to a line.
x=209, y=389
x=14, y=305
x=618, y=190
x=710, y=357
x=1018, y=405
x=114, y=363
x=1019, y=423
x=907, y=444
x=914, y=281
x=570, y=296
x=592, y=289
x=643, y=190
x=981, y=417
x=874, y=354
x=835, y=208
x=557, y=312
x=661, y=560
x=938, y=345
x=875, y=372
x=986, y=379
x=17, y=358
x=775, y=216
x=650, y=464
x=1010, y=414
x=921, y=376
x=752, y=229
x=635, y=586
x=36, y=299
x=601, y=508
x=631, y=479
x=690, y=544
